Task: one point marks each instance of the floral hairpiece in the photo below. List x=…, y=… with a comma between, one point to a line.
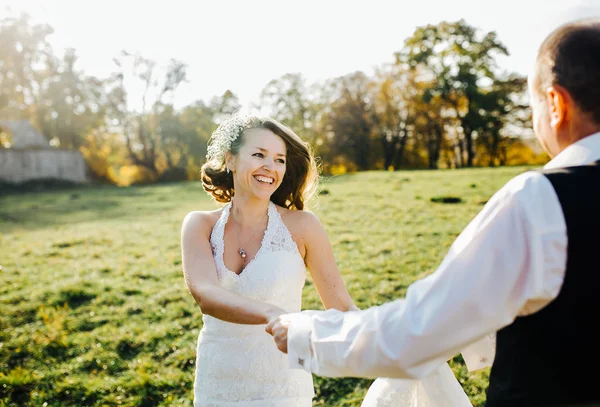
x=227, y=132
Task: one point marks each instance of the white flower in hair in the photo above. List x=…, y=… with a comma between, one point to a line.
x=227, y=132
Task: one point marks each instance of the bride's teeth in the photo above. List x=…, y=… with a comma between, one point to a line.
x=264, y=180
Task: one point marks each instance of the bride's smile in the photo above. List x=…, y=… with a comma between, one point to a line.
x=259, y=167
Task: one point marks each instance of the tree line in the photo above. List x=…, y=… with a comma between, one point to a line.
x=442, y=101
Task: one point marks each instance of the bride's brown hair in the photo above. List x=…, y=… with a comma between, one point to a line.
x=299, y=183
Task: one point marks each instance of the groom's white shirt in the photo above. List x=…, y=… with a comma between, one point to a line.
x=509, y=261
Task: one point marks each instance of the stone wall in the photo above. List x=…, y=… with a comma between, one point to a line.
x=17, y=166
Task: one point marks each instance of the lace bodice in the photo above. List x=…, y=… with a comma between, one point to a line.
x=275, y=275
x=240, y=363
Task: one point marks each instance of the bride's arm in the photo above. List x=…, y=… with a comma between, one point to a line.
x=320, y=261
x=201, y=278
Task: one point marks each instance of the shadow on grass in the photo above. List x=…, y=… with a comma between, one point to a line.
x=38, y=209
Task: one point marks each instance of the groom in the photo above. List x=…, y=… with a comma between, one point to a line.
x=527, y=267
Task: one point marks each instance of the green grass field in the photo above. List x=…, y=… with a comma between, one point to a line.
x=95, y=312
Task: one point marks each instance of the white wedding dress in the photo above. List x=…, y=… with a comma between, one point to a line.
x=240, y=365
x=439, y=389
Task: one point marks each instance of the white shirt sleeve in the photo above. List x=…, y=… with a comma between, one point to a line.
x=509, y=261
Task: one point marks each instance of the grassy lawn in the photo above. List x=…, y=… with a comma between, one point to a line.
x=95, y=311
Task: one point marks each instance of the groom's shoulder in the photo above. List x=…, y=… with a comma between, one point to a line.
x=527, y=185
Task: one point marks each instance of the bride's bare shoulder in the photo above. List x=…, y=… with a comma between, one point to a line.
x=200, y=221
x=299, y=222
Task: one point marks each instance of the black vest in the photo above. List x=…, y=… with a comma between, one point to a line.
x=552, y=357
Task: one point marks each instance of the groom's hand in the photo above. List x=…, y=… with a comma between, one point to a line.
x=278, y=327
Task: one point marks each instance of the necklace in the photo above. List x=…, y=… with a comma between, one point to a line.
x=241, y=250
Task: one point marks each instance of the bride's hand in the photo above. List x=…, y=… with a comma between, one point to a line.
x=278, y=327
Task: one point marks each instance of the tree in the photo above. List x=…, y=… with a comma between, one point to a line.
x=504, y=114
x=394, y=112
x=25, y=58
x=349, y=119
x=221, y=107
x=140, y=129
x=70, y=104
x=198, y=121
x=459, y=62
x=293, y=102
x=35, y=85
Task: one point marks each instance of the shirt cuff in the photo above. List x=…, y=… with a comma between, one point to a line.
x=299, y=353
x=480, y=354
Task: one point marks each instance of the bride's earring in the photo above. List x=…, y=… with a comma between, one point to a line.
x=228, y=171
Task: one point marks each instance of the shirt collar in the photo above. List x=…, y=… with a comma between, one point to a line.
x=582, y=152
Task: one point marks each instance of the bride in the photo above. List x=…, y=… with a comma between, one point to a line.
x=246, y=263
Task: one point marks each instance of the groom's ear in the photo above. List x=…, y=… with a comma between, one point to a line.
x=560, y=104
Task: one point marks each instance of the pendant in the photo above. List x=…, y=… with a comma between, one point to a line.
x=242, y=253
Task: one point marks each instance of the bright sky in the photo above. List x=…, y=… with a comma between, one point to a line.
x=242, y=45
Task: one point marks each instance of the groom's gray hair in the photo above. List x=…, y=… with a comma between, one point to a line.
x=570, y=57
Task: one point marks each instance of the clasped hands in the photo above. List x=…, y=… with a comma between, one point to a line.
x=278, y=328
